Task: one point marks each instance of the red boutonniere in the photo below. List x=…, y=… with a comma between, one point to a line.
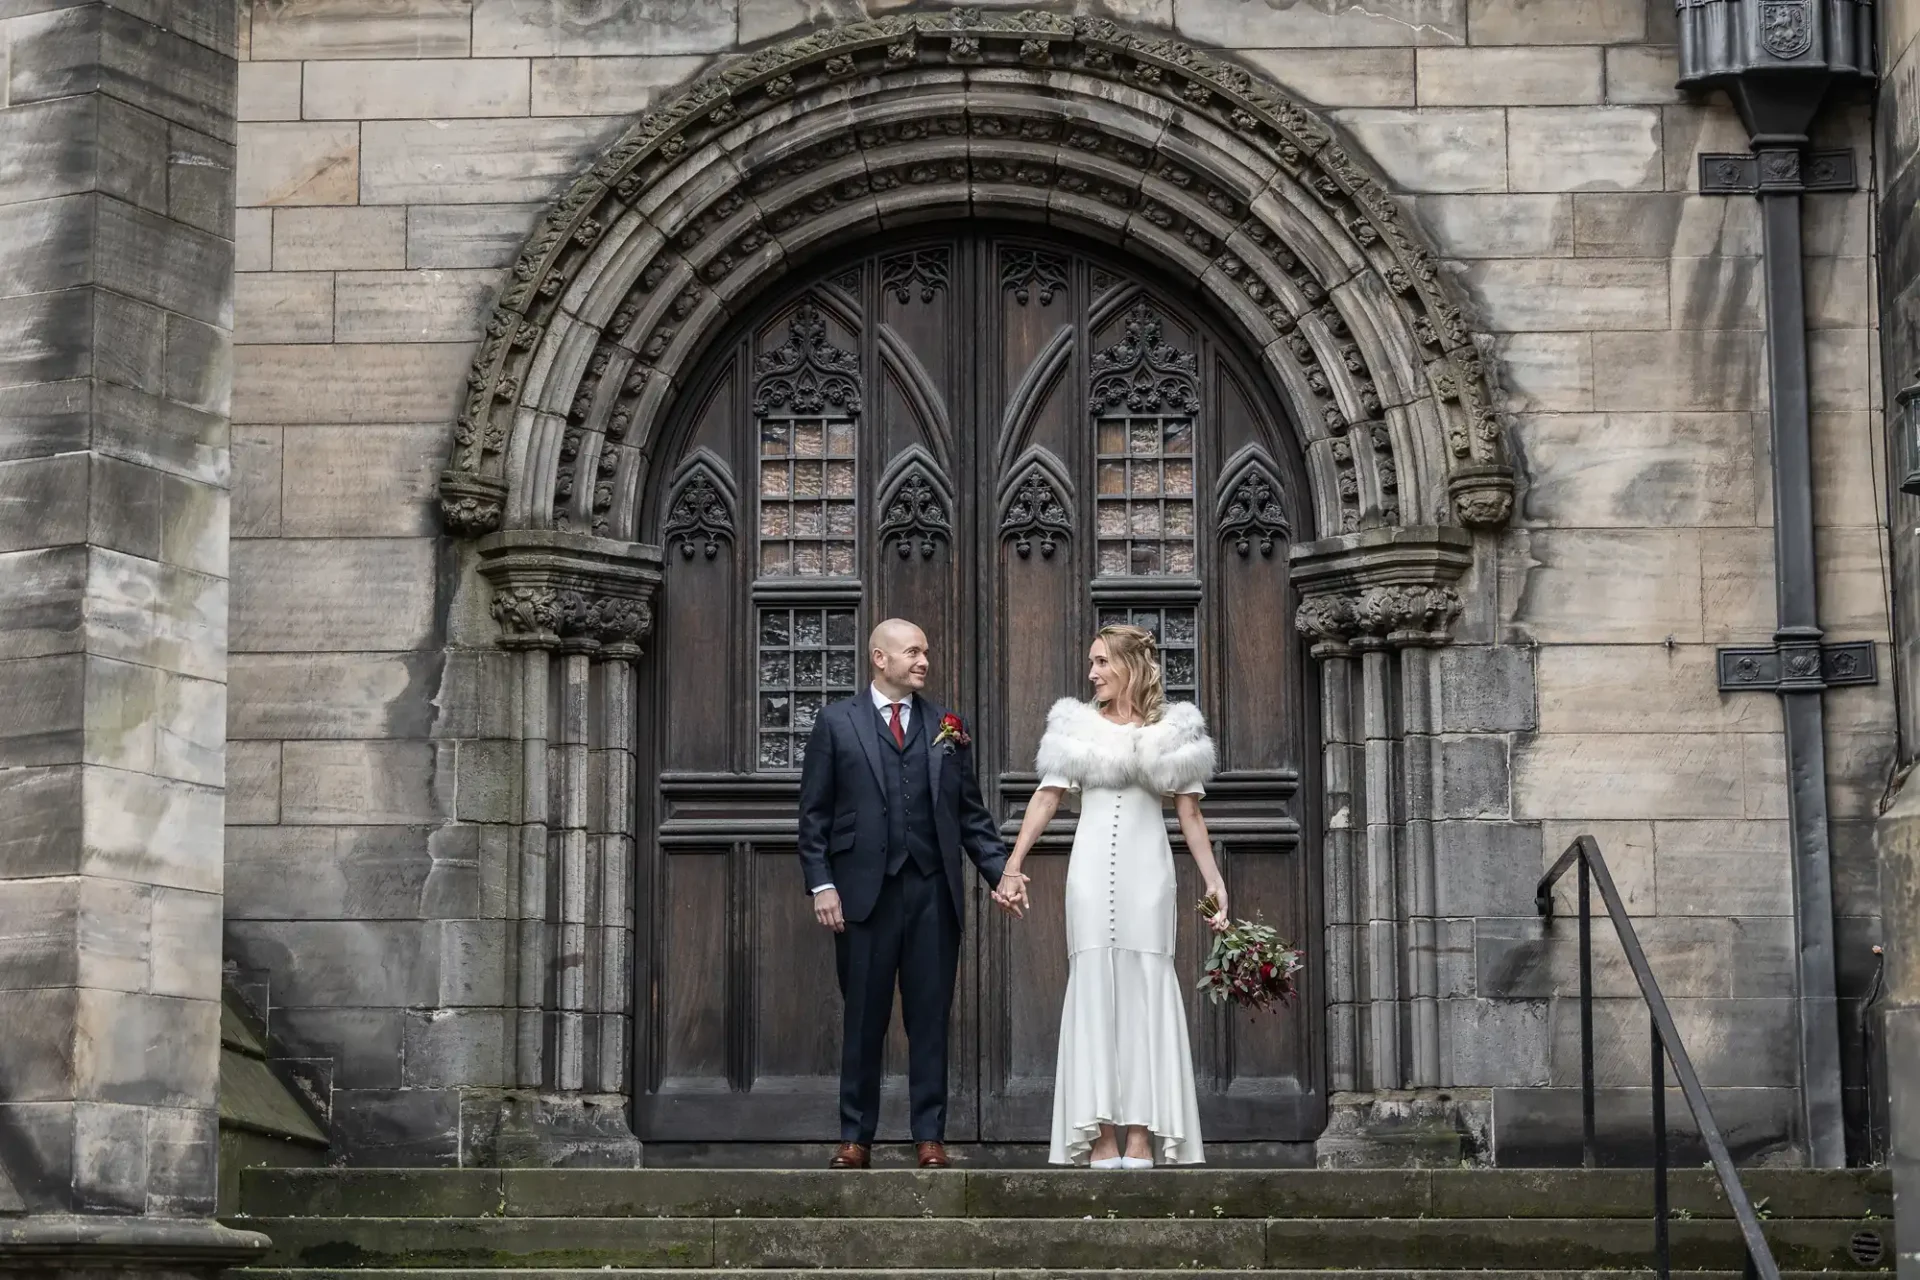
x=951, y=730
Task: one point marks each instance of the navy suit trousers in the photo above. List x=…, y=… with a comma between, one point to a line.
x=910, y=941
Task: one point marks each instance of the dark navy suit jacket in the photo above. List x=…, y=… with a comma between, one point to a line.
x=843, y=806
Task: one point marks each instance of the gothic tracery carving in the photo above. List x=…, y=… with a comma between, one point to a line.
x=918, y=271
x=916, y=505
x=1142, y=373
x=700, y=508
x=806, y=376
x=1032, y=273
x=1036, y=506
x=1251, y=511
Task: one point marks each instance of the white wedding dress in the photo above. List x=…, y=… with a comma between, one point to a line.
x=1124, y=1057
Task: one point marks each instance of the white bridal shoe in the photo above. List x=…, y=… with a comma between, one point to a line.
x=1136, y=1162
x=1111, y=1162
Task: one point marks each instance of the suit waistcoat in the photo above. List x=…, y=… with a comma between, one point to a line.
x=910, y=829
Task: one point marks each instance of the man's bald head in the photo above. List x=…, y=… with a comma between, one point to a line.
x=898, y=651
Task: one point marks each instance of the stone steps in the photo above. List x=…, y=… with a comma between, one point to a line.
x=1046, y=1243
x=979, y=1223
x=911, y=1193
x=719, y=1273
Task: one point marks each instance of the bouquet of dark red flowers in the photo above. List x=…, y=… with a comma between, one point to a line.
x=1249, y=964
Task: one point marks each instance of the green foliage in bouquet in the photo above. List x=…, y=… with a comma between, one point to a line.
x=1249, y=965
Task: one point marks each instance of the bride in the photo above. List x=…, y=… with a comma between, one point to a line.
x=1123, y=1093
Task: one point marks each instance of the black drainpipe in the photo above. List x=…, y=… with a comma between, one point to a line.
x=1778, y=60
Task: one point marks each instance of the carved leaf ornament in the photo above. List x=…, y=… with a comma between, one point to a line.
x=1252, y=514
x=806, y=376
x=913, y=515
x=1141, y=374
x=662, y=304
x=1036, y=514
x=699, y=515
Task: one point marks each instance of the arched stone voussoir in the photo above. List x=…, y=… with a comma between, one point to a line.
x=1394, y=361
x=1423, y=476
x=554, y=376
x=1166, y=245
x=836, y=223
x=629, y=247
x=1216, y=178
x=680, y=341
x=1124, y=136
x=1308, y=232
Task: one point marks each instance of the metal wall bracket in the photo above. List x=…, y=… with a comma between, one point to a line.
x=1740, y=173
x=1791, y=668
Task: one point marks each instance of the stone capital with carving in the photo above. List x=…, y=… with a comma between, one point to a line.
x=1482, y=494
x=1330, y=621
x=471, y=505
x=570, y=592
x=1380, y=588
x=1407, y=615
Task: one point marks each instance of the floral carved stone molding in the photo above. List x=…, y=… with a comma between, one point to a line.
x=571, y=593
x=1108, y=132
x=1382, y=587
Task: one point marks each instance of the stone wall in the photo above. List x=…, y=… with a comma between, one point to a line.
x=393, y=153
x=1897, y=173
x=116, y=226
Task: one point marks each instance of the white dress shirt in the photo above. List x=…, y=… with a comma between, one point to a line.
x=884, y=705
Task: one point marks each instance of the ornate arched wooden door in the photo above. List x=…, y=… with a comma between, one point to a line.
x=1008, y=439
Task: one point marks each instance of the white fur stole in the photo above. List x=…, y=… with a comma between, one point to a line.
x=1085, y=746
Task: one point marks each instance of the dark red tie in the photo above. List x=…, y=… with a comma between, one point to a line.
x=899, y=734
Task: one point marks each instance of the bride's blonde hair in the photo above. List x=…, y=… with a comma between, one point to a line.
x=1134, y=651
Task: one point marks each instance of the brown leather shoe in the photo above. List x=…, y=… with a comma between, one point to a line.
x=933, y=1155
x=851, y=1155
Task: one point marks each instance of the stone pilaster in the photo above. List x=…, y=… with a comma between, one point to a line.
x=576, y=609
x=1375, y=604
x=116, y=283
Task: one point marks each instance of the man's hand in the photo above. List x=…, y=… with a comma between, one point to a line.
x=826, y=909
x=1011, y=894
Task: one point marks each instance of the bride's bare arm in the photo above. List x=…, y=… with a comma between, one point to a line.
x=1193, y=828
x=1040, y=811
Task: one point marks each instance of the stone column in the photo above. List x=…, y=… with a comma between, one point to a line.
x=1380, y=884
x=1416, y=723
x=577, y=607
x=570, y=852
x=1329, y=621
x=116, y=288
x=1375, y=604
x=528, y=978
x=615, y=757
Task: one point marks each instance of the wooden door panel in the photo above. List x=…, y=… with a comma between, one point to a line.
x=1024, y=978
x=694, y=966
x=1266, y=1054
x=962, y=370
x=703, y=693
x=796, y=994
x=1259, y=727
x=1039, y=649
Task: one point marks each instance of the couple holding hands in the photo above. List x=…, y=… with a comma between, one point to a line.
x=889, y=801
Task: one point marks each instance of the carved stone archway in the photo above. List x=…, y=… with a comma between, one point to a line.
x=1136, y=140
x=1142, y=142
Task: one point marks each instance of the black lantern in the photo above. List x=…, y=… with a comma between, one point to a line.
x=1908, y=398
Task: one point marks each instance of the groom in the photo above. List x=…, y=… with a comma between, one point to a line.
x=888, y=799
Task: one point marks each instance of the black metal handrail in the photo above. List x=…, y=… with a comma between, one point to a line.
x=1584, y=852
